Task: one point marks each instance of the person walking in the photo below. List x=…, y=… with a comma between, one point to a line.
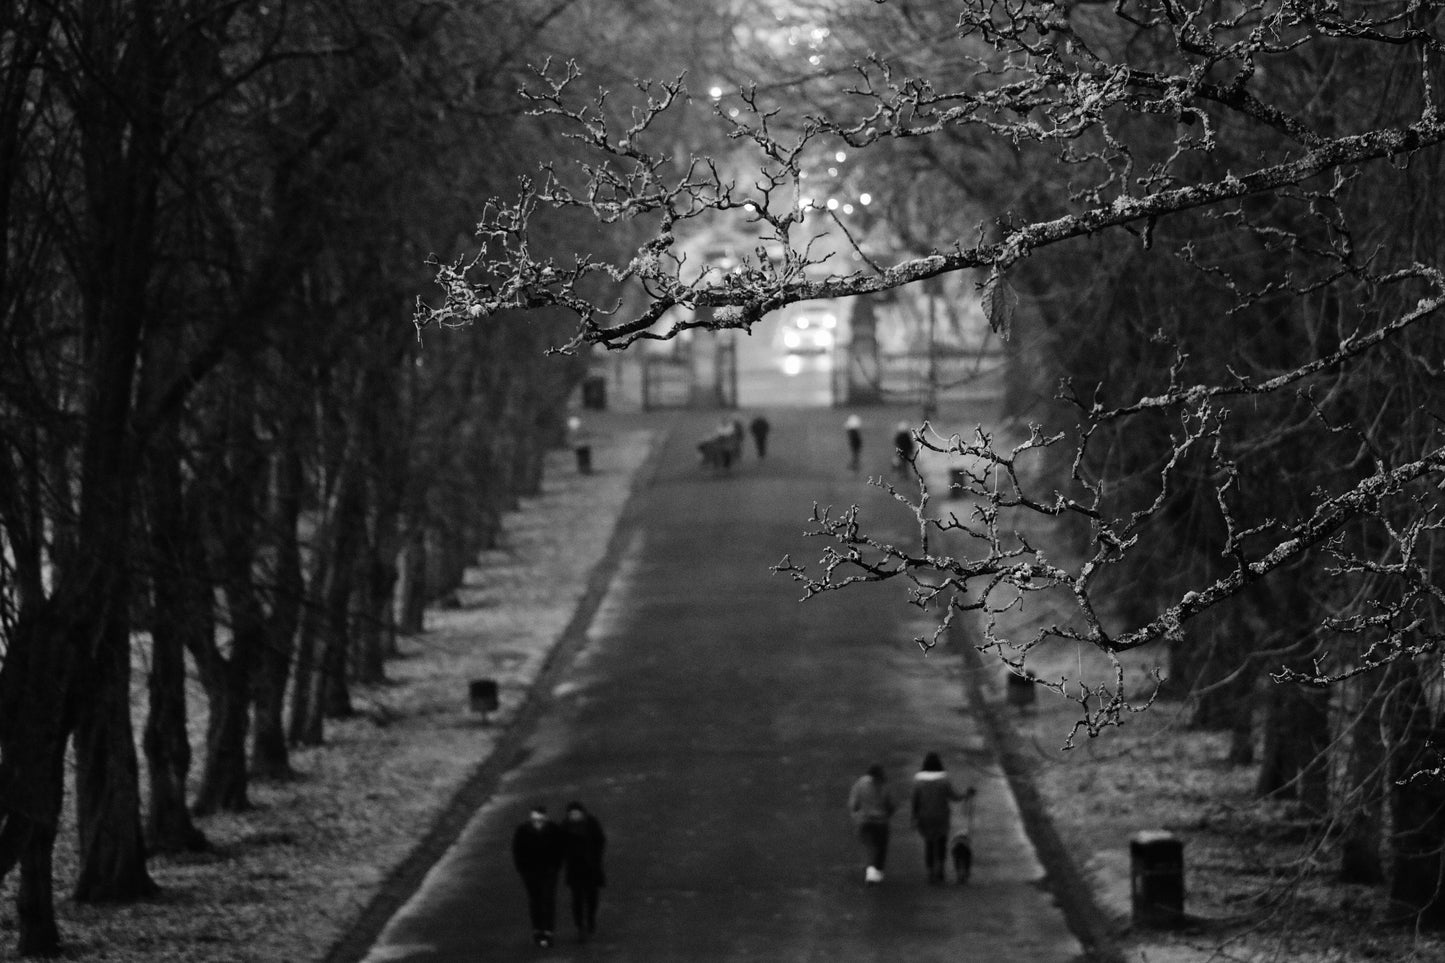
x=870, y=802
x=537, y=854
x=759, y=427
x=584, y=844
x=932, y=799
x=853, y=428
x=903, y=446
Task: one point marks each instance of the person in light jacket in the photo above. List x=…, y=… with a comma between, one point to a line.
x=870, y=803
x=932, y=799
x=853, y=429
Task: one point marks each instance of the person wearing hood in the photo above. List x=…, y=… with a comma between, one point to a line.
x=870, y=802
x=584, y=844
x=932, y=799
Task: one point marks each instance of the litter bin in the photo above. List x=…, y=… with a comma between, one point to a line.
x=1156, y=878
x=957, y=482
x=584, y=459
x=594, y=392
x=483, y=695
x=1020, y=689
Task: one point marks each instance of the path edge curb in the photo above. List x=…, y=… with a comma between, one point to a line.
x=1063, y=877
x=403, y=880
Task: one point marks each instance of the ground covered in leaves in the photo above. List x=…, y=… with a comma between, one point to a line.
x=286, y=879
x=1259, y=884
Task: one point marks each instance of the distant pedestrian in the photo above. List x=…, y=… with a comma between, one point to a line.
x=537, y=854
x=903, y=446
x=760, y=428
x=853, y=428
x=933, y=796
x=584, y=844
x=870, y=803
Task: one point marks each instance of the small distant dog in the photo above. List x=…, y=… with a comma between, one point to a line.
x=961, y=848
x=960, y=845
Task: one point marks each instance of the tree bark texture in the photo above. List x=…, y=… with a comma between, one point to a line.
x=107, y=776
x=1417, y=803
x=181, y=607
x=270, y=753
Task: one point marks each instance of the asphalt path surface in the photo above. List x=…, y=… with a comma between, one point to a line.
x=714, y=723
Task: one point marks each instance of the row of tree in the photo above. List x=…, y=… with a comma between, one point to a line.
x=224, y=450
x=1215, y=224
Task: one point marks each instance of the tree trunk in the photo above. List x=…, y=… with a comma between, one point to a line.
x=107, y=775
x=305, y=727
x=1223, y=681
x=376, y=626
x=33, y=727
x=270, y=753
x=331, y=691
x=224, y=777
x=413, y=592
x=181, y=606
x=1295, y=764
x=1363, y=836
x=38, y=933
x=1297, y=727
x=228, y=679
x=1417, y=802
x=169, y=827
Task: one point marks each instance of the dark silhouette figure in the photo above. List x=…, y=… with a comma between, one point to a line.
x=933, y=796
x=853, y=428
x=537, y=854
x=584, y=844
x=760, y=428
x=904, y=446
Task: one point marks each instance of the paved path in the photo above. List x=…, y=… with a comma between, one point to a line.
x=715, y=724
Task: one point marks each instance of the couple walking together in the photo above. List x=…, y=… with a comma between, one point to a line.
x=931, y=800
x=541, y=850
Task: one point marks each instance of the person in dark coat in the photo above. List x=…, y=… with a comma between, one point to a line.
x=537, y=850
x=759, y=427
x=583, y=848
x=904, y=446
x=933, y=796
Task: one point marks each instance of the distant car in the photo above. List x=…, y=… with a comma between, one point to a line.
x=808, y=333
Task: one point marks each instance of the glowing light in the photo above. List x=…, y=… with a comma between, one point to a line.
x=847, y=208
x=792, y=365
x=832, y=203
x=714, y=92
x=815, y=60
x=841, y=156
x=865, y=199
x=832, y=172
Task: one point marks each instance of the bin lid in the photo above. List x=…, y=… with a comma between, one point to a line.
x=1151, y=837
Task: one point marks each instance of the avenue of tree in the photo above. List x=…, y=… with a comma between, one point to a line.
x=224, y=449
x=1210, y=232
